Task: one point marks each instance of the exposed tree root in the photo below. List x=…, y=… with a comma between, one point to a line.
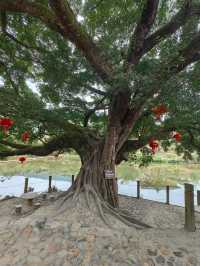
x=103, y=207
x=66, y=197
x=88, y=190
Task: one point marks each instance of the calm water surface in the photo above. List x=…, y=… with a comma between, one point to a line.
x=14, y=186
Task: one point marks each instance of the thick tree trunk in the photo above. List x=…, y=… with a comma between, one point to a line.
x=103, y=159
x=93, y=174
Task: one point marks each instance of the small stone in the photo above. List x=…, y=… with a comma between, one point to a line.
x=184, y=250
x=41, y=223
x=27, y=231
x=53, y=247
x=74, y=252
x=165, y=251
x=169, y=263
x=37, y=205
x=18, y=209
x=171, y=259
x=160, y=259
x=110, y=249
x=85, y=225
x=150, y=262
x=83, y=239
x=152, y=252
x=178, y=254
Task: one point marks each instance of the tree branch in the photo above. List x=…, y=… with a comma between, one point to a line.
x=11, y=37
x=129, y=146
x=62, y=20
x=80, y=141
x=94, y=90
x=92, y=111
x=142, y=29
x=187, y=11
x=77, y=35
x=14, y=145
x=186, y=56
x=134, y=145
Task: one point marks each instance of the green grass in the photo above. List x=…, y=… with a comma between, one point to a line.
x=156, y=175
x=159, y=175
x=65, y=165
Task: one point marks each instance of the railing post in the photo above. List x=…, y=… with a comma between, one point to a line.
x=50, y=180
x=167, y=194
x=72, y=179
x=189, y=208
x=116, y=184
x=26, y=185
x=138, y=189
x=198, y=197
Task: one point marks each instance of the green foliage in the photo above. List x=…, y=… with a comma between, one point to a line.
x=47, y=82
x=143, y=158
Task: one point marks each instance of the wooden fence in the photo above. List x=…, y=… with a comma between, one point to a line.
x=188, y=194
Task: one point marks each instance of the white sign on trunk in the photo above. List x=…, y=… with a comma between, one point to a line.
x=109, y=174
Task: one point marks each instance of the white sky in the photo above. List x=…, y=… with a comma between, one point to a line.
x=33, y=86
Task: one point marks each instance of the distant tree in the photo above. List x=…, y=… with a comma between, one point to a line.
x=85, y=75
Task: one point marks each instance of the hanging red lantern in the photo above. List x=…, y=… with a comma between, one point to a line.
x=22, y=159
x=159, y=111
x=153, y=145
x=25, y=136
x=6, y=124
x=177, y=136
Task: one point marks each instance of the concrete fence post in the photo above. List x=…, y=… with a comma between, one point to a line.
x=26, y=185
x=138, y=189
x=50, y=187
x=167, y=194
x=198, y=197
x=189, y=208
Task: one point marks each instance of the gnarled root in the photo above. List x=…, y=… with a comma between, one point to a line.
x=104, y=208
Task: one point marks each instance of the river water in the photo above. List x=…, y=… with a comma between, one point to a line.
x=14, y=186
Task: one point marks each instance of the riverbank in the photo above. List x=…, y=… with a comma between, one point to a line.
x=74, y=235
x=156, y=175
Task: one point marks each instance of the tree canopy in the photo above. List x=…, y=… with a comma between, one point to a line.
x=62, y=62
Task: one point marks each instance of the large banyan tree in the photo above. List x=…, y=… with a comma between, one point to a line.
x=86, y=75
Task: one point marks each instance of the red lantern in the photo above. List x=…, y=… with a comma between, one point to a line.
x=153, y=145
x=25, y=136
x=6, y=123
x=159, y=110
x=22, y=159
x=177, y=136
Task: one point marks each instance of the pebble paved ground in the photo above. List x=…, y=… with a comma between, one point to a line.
x=74, y=235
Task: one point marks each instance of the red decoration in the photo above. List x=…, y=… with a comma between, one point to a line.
x=153, y=145
x=159, y=110
x=6, y=123
x=25, y=136
x=177, y=136
x=22, y=159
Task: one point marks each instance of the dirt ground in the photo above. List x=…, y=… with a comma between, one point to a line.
x=59, y=234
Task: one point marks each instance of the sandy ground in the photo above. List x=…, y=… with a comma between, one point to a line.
x=74, y=235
